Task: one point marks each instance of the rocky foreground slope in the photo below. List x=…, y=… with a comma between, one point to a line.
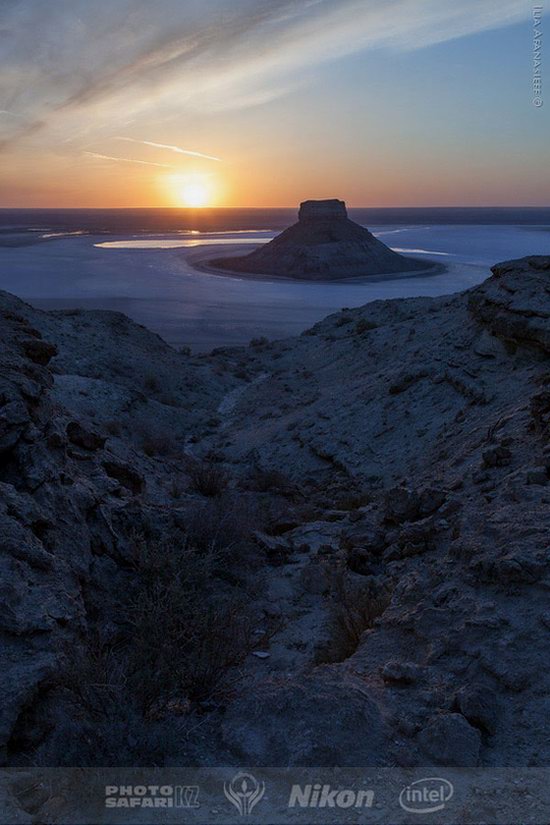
x=357, y=518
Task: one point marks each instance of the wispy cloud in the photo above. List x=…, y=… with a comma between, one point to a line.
x=68, y=65
x=98, y=156
x=170, y=148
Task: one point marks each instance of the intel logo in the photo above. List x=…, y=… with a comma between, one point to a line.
x=426, y=796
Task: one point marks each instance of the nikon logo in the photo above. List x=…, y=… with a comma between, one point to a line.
x=324, y=796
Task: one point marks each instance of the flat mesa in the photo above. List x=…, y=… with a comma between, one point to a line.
x=324, y=245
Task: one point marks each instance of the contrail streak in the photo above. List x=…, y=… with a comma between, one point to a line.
x=128, y=160
x=171, y=148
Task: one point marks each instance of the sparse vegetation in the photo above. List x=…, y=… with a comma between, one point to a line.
x=151, y=383
x=364, y=325
x=207, y=477
x=224, y=525
x=157, y=442
x=343, y=319
x=260, y=342
x=353, y=610
x=113, y=427
x=182, y=630
x=271, y=481
x=186, y=635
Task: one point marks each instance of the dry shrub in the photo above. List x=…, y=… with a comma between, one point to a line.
x=364, y=325
x=157, y=441
x=343, y=319
x=186, y=634
x=96, y=718
x=259, y=343
x=271, y=481
x=181, y=635
x=151, y=383
x=224, y=526
x=207, y=477
x=353, y=610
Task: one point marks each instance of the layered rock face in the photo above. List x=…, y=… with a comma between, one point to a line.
x=319, y=211
x=324, y=245
x=510, y=303
x=402, y=450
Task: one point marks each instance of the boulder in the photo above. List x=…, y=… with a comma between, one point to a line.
x=321, y=719
x=81, y=437
x=401, y=673
x=276, y=548
x=536, y=475
x=540, y=410
x=479, y=706
x=14, y=419
x=519, y=565
x=126, y=475
x=498, y=456
x=450, y=741
x=40, y=352
x=403, y=504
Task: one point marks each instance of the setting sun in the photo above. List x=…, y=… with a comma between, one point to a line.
x=195, y=190
x=194, y=194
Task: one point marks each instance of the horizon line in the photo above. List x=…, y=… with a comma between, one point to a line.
x=293, y=206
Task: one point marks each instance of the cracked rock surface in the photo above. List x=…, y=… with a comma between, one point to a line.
x=398, y=577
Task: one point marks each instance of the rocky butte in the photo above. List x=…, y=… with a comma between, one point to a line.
x=325, y=245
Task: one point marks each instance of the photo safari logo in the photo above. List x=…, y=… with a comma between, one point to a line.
x=152, y=796
x=426, y=796
x=244, y=792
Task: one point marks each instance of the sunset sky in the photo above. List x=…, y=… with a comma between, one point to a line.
x=267, y=102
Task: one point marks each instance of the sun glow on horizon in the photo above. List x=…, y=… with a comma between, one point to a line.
x=195, y=195
x=192, y=191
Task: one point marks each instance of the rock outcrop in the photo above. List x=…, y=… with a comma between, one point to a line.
x=74, y=453
x=392, y=470
x=509, y=304
x=324, y=245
